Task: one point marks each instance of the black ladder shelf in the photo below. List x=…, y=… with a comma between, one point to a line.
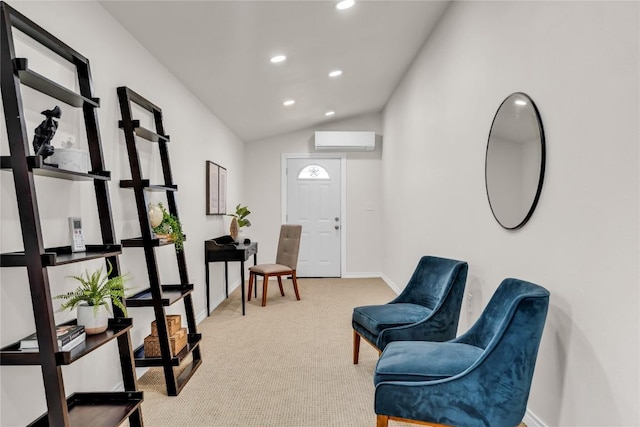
x=158, y=295
x=77, y=409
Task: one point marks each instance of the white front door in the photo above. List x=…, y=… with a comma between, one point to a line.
x=313, y=200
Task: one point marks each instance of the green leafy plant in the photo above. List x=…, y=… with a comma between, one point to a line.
x=171, y=226
x=242, y=212
x=96, y=290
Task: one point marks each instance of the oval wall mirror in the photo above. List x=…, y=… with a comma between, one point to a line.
x=514, y=164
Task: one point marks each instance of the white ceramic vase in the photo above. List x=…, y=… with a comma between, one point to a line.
x=94, y=323
x=241, y=235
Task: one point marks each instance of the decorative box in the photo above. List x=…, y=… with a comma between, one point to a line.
x=71, y=159
x=177, y=342
x=174, y=323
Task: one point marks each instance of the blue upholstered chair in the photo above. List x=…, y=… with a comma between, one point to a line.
x=481, y=378
x=427, y=309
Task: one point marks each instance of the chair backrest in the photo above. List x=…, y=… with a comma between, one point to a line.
x=289, y=245
x=511, y=297
x=432, y=281
x=510, y=330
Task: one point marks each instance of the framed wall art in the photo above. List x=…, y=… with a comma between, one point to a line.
x=216, y=189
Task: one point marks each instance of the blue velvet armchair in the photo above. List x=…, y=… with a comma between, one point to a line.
x=481, y=378
x=428, y=309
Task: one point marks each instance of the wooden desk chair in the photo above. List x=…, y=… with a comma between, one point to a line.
x=286, y=262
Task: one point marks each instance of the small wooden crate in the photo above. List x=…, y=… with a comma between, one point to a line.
x=177, y=342
x=174, y=324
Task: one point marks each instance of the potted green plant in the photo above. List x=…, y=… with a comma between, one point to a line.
x=92, y=298
x=166, y=225
x=239, y=221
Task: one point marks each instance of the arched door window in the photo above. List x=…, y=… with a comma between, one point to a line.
x=313, y=172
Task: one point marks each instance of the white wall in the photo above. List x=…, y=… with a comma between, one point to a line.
x=262, y=191
x=196, y=135
x=579, y=62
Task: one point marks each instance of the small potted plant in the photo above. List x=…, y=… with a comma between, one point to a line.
x=166, y=225
x=239, y=220
x=92, y=298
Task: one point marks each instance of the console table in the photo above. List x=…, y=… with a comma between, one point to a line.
x=215, y=252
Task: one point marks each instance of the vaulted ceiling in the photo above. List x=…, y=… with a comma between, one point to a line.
x=221, y=50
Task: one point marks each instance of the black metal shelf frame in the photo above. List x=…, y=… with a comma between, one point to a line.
x=158, y=296
x=80, y=409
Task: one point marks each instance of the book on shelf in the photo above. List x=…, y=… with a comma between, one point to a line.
x=66, y=335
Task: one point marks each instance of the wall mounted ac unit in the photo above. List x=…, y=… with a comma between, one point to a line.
x=345, y=141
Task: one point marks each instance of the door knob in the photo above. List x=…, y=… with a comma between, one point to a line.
x=337, y=227
x=337, y=219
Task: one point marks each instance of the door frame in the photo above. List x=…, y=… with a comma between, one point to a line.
x=343, y=195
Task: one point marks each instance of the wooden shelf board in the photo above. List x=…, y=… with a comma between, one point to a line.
x=42, y=84
x=39, y=167
x=193, y=341
x=147, y=186
x=138, y=242
x=187, y=373
x=145, y=133
x=98, y=409
x=12, y=355
x=61, y=255
x=170, y=295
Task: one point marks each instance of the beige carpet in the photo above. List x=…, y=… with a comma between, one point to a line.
x=286, y=364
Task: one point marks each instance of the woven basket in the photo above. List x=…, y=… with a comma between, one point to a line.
x=177, y=342
x=174, y=323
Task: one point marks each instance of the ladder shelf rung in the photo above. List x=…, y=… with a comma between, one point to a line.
x=61, y=255
x=111, y=408
x=12, y=355
x=170, y=295
x=39, y=167
x=146, y=185
x=144, y=132
x=42, y=84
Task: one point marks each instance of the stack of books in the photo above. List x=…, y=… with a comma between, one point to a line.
x=69, y=336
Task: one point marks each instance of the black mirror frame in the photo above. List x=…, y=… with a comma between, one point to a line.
x=542, y=162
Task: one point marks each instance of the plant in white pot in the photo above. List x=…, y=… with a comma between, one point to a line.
x=92, y=298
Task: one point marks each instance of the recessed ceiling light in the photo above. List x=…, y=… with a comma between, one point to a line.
x=345, y=4
x=520, y=102
x=278, y=58
x=329, y=113
x=335, y=73
x=288, y=102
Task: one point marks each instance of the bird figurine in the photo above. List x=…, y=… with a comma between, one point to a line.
x=45, y=131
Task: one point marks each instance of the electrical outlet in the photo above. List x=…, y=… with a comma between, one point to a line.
x=470, y=303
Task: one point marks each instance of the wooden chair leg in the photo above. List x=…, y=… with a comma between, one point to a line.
x=382, y=421
x=280, y=284
x=295, y=284
x=251, y=279
x=356, y=347
x=264, y=289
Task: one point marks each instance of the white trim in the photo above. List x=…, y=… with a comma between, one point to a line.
x=531, y=420
x=392, y=285
x=361, y=275
x=343, y=195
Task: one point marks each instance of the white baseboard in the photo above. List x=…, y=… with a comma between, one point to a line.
x=390, y=283
x=216, y=302
x=361, y=275
x=531, y=420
